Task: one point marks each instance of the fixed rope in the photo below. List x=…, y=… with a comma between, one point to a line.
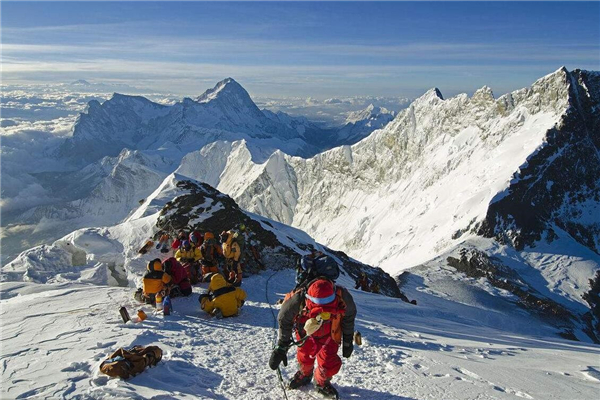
x=281, y=383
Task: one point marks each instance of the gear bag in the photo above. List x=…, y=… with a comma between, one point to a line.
x=126, y=363
x=311, y=268
x=208, y=250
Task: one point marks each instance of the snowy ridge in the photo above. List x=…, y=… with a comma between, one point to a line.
x=434, y=168
x=107, y=140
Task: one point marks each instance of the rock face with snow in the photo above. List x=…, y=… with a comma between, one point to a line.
x=559, y=185
x=268, y=243
x=124, y=147
x=416, y=187
x=178, y=204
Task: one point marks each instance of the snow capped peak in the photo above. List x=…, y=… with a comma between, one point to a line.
x=432, y=96
x=484, y=93
x=371, y=112
x=226, y=89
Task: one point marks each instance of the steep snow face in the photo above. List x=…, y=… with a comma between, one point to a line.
x=407, y=192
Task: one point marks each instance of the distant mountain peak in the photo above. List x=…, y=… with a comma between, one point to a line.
x=227, y=88
x=432, y=96
x=81, y=82
x=372, y=111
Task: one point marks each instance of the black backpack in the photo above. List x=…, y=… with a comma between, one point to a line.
x=312, y=268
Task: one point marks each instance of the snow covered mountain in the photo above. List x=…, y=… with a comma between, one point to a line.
x=522, y=170
x=57, y=333
x=225, y=112
x=123, y=148
x=437, y=172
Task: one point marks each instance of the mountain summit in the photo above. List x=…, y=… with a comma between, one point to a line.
x=227, y=90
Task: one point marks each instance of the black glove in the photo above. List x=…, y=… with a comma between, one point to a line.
x=348, y=347
x=279, y=355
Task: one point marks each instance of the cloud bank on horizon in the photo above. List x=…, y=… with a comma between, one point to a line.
x=323, y=50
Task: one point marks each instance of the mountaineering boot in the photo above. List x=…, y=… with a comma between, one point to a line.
x=328, y=390
x=299, y=380
x=218, y=313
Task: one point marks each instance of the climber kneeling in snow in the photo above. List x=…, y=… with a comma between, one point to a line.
x=322, y=317
x=222, y=299
x=155, y=280
x=180, y=283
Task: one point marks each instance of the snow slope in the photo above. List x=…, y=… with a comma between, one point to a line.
x=56, y=336
x=465, y=339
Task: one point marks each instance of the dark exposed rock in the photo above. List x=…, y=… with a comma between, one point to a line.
x=386, y=282
x=477, y=264
x=206, y=209
x=558, y=180
x=592, y=318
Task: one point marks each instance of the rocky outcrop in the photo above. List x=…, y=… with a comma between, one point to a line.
x=477, y=264
x=592, y=318
x=559, y=185
x=203, y=208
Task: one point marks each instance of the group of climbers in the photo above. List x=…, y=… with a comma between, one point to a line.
x=167, y=277
x=317, y=315
x=200, y=258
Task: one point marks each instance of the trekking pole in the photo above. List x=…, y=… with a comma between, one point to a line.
x=281, y=383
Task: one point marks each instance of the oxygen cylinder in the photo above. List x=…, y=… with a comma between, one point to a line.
x=159, y=301
x=167, y=306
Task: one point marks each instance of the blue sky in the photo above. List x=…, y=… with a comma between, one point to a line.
x=299, y=49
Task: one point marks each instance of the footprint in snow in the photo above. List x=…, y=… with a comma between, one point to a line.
x=77, y=366
x=100, y=345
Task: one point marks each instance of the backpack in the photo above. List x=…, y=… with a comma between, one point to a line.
x=311, y=268
x=126, y=363
x=304, y=313
x=208, y=250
